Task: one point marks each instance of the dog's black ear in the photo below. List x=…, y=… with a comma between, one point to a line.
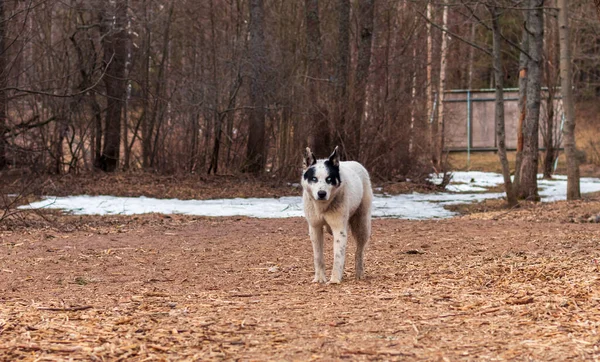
x=309, y=158
x=335, y=157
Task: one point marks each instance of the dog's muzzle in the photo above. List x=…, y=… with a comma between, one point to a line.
x=322, y=195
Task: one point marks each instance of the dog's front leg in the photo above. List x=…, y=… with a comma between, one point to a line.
x=340, y=240
x=316, y=236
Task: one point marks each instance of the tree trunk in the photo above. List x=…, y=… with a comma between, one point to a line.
x=127, y=161
x=218, y=118
x=499, y=111
x=549, y=137
x=98, y=131
x=229, y=138
x=194, y=113
x=160, y=108
x=429, y=87
x=3, y=84
x=471, y=57
x=439, y=149
x=573, y=190
x=235, y=87
x=255, y=151
x=114, y=44
x=523, y=62
x=361, y=77
x=319, y=139
x=342, y=72
x=551, y=75
x=146, y=127
x=529, y=165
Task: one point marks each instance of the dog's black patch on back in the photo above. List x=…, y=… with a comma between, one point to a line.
x=333, y=172
x=309, y=174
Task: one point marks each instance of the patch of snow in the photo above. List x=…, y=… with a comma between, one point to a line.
x=402, y=206
x=556, y=189
x=407, y=206
x=467, y=185
x=111, y=205
x=464, y=188
x=470, y=181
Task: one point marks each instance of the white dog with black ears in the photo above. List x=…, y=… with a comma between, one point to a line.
x=337, y=195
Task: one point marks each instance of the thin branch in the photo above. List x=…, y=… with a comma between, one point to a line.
x=508, y=41
x=476, y=46
x=83, y=91
x=27, y=126
x=69, y=309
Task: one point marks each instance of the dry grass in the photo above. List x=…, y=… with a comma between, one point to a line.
x=488, y=161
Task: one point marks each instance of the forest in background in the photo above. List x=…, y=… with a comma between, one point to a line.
x=223, y=86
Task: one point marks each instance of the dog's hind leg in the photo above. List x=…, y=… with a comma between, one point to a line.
x=360, y=224
x=316, y=236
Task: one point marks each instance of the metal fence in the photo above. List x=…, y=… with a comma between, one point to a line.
x=469, y=124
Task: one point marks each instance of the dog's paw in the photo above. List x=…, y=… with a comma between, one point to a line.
x=319, y=279
x=334, y=281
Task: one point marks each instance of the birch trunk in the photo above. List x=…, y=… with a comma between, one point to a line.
x=429, y=85
x=442, y=87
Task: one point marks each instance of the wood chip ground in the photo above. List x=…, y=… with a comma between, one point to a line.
x=496, y=286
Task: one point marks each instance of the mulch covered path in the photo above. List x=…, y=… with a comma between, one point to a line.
x=498, y=285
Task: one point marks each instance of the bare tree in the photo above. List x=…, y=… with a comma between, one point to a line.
x=3, y=84
x=361, y=76
x=114, y=43
x=548, y=124
x=319, y=138
x=342, y=72
x=439, y=143
x=499, y=113
x=255, y=151
x=573, y=191
x=528, y=171
x=523, y=64
x=429, y=85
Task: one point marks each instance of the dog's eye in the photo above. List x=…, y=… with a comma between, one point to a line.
x=328, y=179
x=314, y=179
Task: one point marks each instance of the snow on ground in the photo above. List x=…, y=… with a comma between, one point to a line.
x=470, y=181
x=413, y=206
x=465, y=187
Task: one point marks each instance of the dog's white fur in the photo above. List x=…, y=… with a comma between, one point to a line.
x=346, y=206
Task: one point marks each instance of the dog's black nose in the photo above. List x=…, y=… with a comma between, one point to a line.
x=322, y=194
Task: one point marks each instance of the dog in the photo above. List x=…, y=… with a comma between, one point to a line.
x=337, y=196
